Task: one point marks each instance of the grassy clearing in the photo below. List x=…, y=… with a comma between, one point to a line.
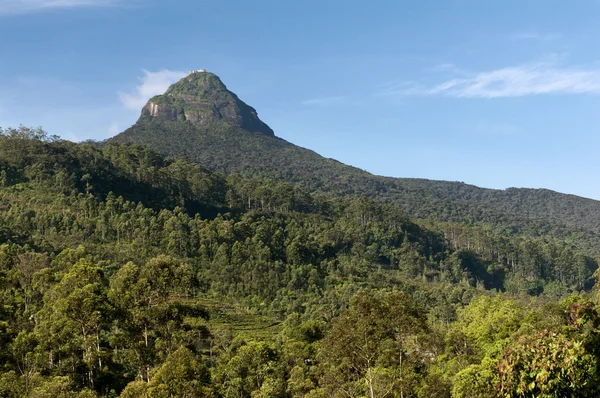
x=242, y=322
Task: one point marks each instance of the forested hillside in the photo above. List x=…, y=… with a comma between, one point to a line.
x=123, y=273
x=199, y=119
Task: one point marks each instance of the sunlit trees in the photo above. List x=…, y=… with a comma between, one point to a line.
x=552, y=364
x=376, y=348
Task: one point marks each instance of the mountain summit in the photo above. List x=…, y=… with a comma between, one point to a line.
x=202, y=99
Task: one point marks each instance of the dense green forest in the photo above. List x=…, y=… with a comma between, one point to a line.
x=125, y=273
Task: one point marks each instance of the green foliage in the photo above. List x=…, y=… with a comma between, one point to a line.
x=548, y=365
x=377, y=347
x=555, y=364
x=477, y=380
x=182, y=375
x=484, y=326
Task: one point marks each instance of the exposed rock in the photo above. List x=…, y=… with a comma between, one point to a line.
x=155, y=110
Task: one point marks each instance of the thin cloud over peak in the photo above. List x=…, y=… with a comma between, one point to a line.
x=153, y=83
x=515, y=81
x=24, y=6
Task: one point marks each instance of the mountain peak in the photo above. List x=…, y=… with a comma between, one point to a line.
x=203, y=99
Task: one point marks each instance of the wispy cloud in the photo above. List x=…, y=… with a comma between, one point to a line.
x=152, y=83
x=324, y=101
x=515, y=81
x=24, y=6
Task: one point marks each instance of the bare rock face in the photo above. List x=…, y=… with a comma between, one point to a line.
x=161, y=111
x=202, y=98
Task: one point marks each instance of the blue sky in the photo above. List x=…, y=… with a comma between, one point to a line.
x=492, y=93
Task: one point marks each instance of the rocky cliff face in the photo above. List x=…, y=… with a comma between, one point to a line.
x=161, y=111
x=202, y=98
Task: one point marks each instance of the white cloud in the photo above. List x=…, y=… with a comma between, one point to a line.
x=23, y=6
x=153, y=83
x=324, y=101
x=515, y=81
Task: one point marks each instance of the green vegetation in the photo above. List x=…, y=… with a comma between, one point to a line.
x=124, y=273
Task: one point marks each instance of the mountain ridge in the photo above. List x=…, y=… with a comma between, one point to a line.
x=223, y=144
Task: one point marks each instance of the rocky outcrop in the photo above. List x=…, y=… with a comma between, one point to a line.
x=161, y=111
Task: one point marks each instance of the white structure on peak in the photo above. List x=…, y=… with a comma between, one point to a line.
x=198, y=71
